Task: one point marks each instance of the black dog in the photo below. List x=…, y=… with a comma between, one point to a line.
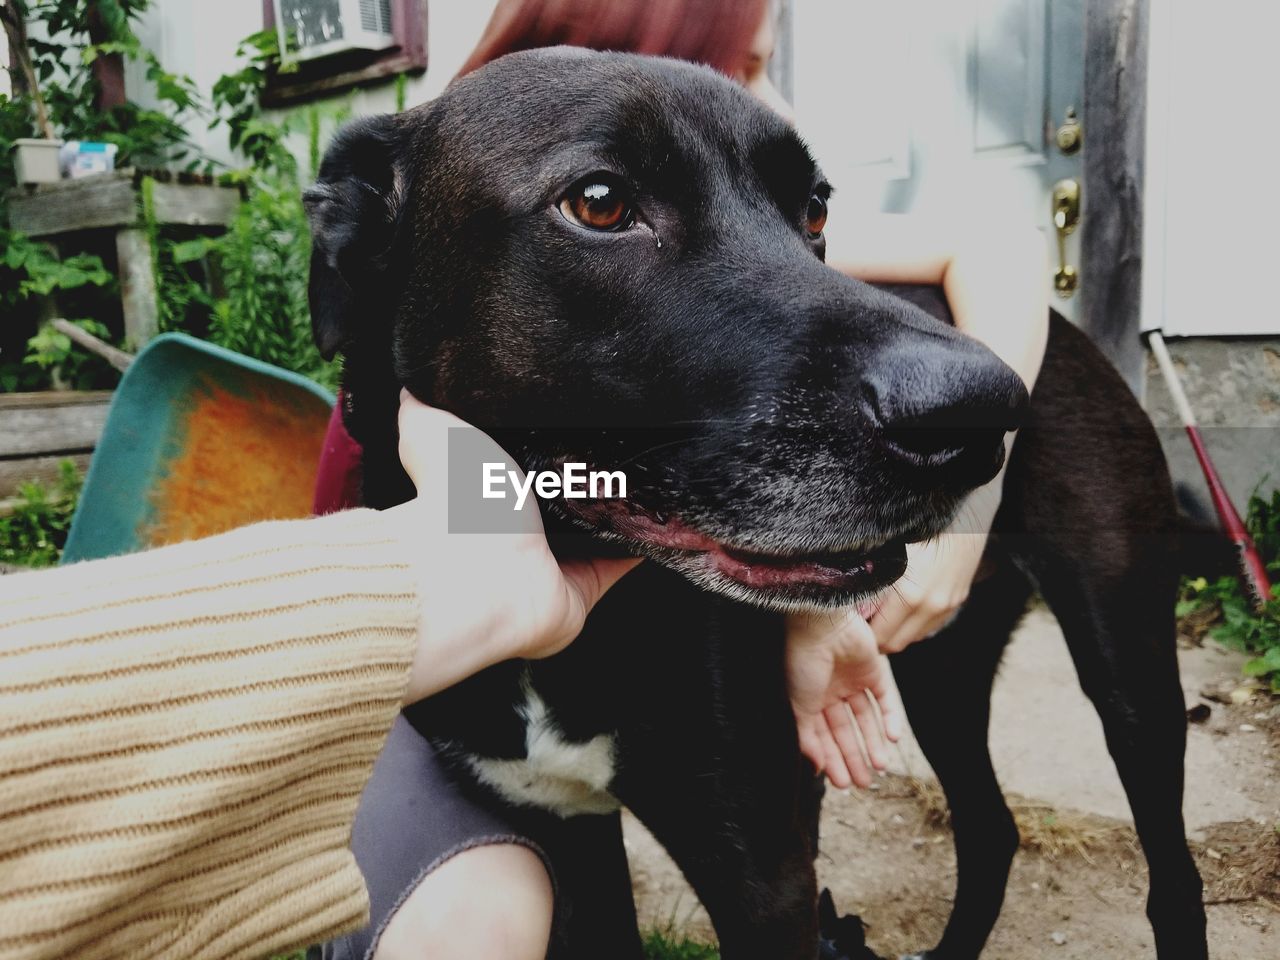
x=623, y=256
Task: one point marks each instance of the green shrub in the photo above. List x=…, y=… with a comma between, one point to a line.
x=52, y=352
x=262, y=261
x=34, y=534
x=62, y=55
x=28, y=270
x=1242, y=627
x=245, y=289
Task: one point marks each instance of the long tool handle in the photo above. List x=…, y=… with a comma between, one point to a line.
x=1253, y=571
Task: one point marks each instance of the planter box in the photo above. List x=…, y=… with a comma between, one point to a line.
x=36, y=161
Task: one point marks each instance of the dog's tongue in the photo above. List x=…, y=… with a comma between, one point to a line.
x=838, y=571
x=765, y=571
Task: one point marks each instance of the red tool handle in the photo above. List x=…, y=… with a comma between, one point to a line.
x=1251, y=565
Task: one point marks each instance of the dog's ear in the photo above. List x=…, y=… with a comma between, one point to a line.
x=354, y=208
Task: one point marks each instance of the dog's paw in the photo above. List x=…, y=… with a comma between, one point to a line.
x=841, y=938
x=827, y=950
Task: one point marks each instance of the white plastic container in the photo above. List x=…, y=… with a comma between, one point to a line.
x=36, y=161
x=84, y=158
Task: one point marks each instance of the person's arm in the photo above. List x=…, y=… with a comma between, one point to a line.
x=995, y=277
x=184, y=735
x=996, y=283
x=185, y=732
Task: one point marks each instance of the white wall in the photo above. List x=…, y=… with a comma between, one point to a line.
x=1213, y=208
x=199, y=38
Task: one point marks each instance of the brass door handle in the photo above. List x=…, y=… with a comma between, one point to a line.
x=1066, y=217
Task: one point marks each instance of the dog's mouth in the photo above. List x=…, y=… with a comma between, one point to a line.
x=846, y=571
x=779, y=576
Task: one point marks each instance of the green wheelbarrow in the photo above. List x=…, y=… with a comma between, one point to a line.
x=198, y=440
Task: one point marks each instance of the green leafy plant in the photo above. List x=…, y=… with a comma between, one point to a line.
x=67, y=368
x=30, y=269
x=35, y=532
x=260, y=264
x=34, y=268
x=64, y=56
x=265, y=257
x=236, y=99
x=76, y=35
x=1242, y=627
x=245, y=289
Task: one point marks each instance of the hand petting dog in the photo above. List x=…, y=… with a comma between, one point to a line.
x=484, y=598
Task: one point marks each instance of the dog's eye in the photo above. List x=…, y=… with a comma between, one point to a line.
x=816, y=216
x=599, y=205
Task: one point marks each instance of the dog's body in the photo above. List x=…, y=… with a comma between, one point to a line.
x=806, y=427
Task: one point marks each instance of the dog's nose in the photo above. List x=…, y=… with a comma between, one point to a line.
x=942, y=412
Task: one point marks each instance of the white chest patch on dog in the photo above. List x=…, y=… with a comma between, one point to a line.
x=556, y=774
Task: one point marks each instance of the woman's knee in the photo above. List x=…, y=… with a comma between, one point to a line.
x=492, y=902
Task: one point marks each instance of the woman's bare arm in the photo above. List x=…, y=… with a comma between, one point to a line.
x=995, y=278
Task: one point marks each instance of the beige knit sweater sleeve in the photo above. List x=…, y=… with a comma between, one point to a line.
x=184, y=735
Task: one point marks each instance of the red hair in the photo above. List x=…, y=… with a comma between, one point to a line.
x=715, y=32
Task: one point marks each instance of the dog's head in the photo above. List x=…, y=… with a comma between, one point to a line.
x=624, y=256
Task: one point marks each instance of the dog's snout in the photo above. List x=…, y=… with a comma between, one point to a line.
x=941, y=415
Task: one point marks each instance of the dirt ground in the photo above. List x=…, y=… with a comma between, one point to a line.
x=1078, y=886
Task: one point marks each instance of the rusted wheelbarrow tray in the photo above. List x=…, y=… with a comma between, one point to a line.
x=198, y=440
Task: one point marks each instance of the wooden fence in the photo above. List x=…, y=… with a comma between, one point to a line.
x=40, y=430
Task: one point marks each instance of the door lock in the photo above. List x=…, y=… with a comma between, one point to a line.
x=1066, y=217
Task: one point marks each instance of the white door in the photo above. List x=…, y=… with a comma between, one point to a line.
x=947, y=106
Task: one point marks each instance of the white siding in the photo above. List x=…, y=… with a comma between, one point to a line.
x=1212, y=247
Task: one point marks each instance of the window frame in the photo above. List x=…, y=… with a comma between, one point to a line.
x=326, y=75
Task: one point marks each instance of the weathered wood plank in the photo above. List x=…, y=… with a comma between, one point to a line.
x=106, y=200
x=14, y=473
x=114, y=200
x=53, y=398
x=1115, y=109
x=195, y=205
x=27, y=431
x=137, y=287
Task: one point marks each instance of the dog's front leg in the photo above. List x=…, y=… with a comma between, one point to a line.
x=716, y=775
x=749, y=857
x=596, y=915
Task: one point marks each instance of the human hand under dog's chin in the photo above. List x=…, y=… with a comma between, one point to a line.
x=939, y=575
x=485, y=597
x=834, y=672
